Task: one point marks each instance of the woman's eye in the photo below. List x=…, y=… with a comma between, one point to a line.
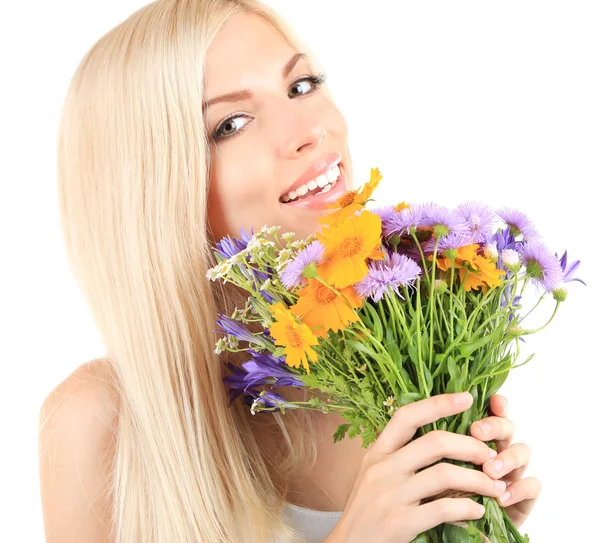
x=227, y=128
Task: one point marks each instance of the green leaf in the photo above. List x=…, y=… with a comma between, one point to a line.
x=455, y=534
x=361, y=348
x=341, y=384
x=372, y=321
x=466, y=349
x=340, y=432
x=353, y=431
x=455, y=382
x=428, y=379
x=420, y=539
x=409, y=397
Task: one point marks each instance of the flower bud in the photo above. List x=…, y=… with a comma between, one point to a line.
x=450, y=253
x=310, y=270
x=515, y=331
x=510, y=258
x=559, y=294
x=490, y=251
x=394, y=241
x=440, y=286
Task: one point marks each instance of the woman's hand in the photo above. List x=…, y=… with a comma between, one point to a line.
x=386, y=502
x=512, y=460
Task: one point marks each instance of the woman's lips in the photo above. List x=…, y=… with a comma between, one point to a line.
x=322, y=199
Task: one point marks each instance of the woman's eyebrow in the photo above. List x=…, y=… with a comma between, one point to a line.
x=238, y=96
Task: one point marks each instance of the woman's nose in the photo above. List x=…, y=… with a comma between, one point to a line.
x=300, y=131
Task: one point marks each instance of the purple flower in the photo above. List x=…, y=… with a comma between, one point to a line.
x=291, y=276
x=479, y=218
x=394, y=271
x=443, y=221
x=234, y=328
x=262, y=369
x=505, y=239
x=541, y=265
x=451, y=241
x=519, y=223
x=271, y=400
x=384, y=212
x=403, y=221
x=229, y=246
x=569, y=269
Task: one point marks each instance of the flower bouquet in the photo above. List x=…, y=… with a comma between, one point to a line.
x=385, y=307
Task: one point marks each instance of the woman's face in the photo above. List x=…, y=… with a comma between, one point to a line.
x=277, y=136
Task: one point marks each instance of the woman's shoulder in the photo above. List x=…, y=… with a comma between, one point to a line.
x=88, y=389
x=77, y=430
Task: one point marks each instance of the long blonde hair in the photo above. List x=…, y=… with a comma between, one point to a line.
x=133, y=169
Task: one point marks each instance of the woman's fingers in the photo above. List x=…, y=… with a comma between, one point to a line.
x=443, y=510
x=445, y=476
x=498, y=429
x=510, y=463
x=406, y=420
x=439, y=444
x=498, y=405
x=520, y=497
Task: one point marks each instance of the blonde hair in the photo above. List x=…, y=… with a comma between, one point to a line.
x=133, y=167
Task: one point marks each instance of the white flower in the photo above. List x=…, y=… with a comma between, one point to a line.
x=389, y=401
x=491, y=251
x=266, y=285
x=510, y=258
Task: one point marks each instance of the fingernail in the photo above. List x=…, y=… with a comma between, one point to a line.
x=505, y=402
x=500, y=485
x=504, y=497
x=484, y=427
x=462, y=398
x=497, y=464
x=492, y=453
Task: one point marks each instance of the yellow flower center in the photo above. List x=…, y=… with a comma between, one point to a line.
x=349, y=247
x=347, y=199
x=294, y=338
x=324, y=295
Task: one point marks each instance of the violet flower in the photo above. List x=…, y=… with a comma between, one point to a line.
x=312, y=254
x=541, y=265
x=519, y=223
x=480, y=220
x=568, y=270
x=393, y=272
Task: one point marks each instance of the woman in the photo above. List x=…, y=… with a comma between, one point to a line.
x=151, y=172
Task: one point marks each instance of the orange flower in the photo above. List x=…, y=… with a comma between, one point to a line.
x=479, y=270
x=352, y=201
x=323, y=310
x=401, y=206
x=348, y=244
x=296, y=337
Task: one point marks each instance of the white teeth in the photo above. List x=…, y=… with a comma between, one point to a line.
x=332, y=173
x=324, y=181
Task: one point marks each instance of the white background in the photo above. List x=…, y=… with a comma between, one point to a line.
x=498, y=102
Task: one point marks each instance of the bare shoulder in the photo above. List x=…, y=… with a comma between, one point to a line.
x=77, y=430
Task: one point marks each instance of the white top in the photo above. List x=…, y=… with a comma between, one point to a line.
x=313, y=525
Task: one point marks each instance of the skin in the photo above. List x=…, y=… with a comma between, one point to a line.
x=282, y=136
x=279, y=140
